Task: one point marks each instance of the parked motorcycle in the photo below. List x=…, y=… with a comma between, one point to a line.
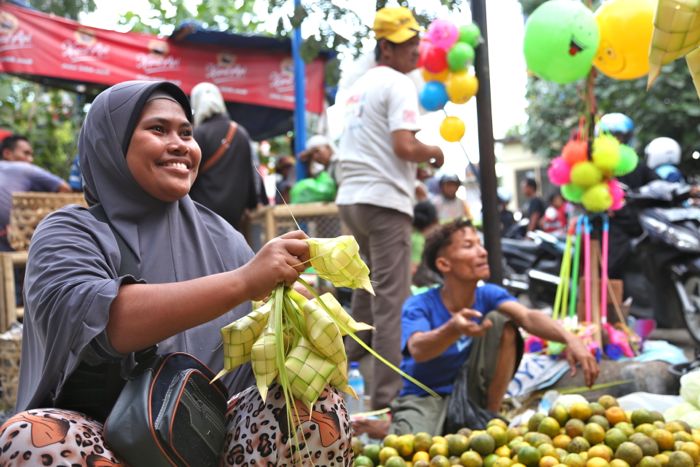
x=667, y=254
x=531, y=263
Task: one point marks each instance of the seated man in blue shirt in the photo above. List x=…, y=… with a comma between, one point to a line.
x=464, y=323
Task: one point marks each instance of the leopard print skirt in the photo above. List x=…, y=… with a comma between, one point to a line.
x=258, y=435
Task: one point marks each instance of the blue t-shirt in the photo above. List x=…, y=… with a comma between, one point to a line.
x=20, y=176
x=425, y=312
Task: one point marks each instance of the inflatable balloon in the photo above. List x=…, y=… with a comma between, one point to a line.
x=442, y=34
x=575, y=151
x=585, y=174
x=597, y=198
x=572, y=192
x=452, y=129
x=460, y=56
x=617, y=194
x=428, y=76
x=461, y=87
x=433, y=96
x=559, y=171
x=627, y=162
x=433, y=59
x=470, y=34
x=561, y=40
x=606, y=152
x=625, y=27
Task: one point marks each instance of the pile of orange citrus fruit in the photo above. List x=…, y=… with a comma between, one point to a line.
x=585, y=434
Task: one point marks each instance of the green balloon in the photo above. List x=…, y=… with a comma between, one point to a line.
x=470, y=34
x=627, y=162
x=561, y=40
x=459, y=56
x=572, y=192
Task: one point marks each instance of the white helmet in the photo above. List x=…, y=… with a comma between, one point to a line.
x=661, y=151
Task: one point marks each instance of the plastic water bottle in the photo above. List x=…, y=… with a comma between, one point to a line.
x=356, y=382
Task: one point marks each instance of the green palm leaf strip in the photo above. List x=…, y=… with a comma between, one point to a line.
x=343, y=327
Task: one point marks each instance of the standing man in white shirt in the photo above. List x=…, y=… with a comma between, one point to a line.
x=377, y=158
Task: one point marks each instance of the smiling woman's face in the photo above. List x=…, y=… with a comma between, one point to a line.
x=163, y=156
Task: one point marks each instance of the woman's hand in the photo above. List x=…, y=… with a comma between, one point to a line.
x=281, y=260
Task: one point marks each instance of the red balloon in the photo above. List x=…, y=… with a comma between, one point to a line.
x=423, y=47
x=433, y=59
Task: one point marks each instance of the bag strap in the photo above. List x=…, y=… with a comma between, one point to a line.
x=225, y=143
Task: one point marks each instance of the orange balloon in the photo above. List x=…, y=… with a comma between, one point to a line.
x=461, y=86
x=625, y=27
x=428, y=76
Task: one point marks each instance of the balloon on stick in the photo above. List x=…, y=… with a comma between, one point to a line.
x=626, y=27
x=561, y=39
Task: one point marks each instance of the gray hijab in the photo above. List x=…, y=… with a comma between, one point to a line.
x=72, y=275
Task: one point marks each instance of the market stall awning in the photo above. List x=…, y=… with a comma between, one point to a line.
x=254, y=73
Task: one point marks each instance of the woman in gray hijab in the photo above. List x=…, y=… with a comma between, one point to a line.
x=193, y=274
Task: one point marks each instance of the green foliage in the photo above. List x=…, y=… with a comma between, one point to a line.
x=66, y=8
x=50, y=118
x=225, y=15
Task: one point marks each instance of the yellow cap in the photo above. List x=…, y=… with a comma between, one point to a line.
x=395, y=24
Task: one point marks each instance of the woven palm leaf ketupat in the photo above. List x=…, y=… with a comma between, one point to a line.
x=338, y=261
x=336, y=311
x=239, y=336
x=298, y=342
x=676, y=34
x=309, y=372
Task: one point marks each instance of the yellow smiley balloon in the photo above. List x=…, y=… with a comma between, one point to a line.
x=625, y=36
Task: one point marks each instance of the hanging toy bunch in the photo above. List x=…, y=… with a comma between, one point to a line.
x=591, y=181
x=446, y=55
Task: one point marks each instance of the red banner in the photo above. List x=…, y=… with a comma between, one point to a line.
x=34, y=43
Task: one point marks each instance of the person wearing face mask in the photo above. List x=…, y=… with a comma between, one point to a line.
x=320, y=185
x=193, y=273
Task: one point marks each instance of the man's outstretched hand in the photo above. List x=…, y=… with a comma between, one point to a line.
x=577, y=353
